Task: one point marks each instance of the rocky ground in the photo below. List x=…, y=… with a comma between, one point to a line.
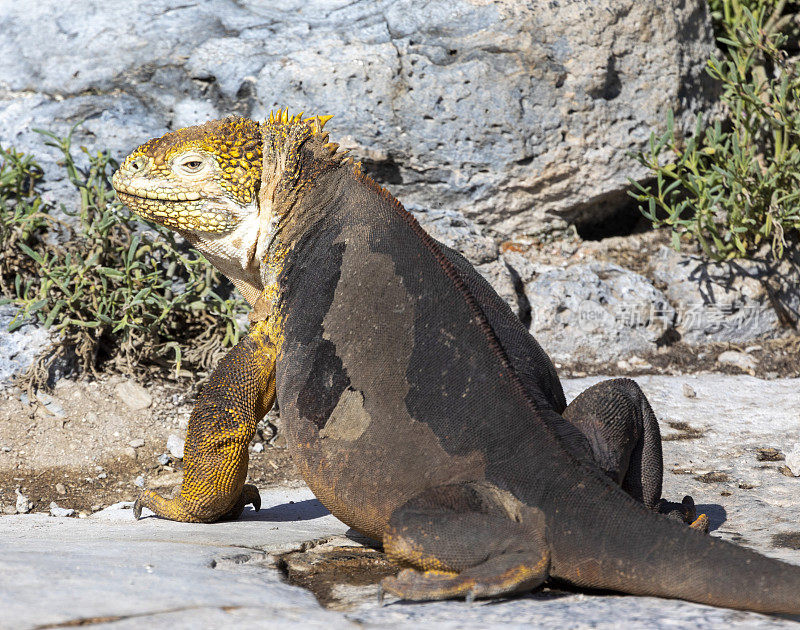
x=729, y=441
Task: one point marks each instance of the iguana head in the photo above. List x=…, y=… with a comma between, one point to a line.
x=204, y=182
x=201, y=179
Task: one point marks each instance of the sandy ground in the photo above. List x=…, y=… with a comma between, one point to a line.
x=87, y=447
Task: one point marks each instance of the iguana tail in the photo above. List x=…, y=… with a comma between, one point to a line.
x=642, y=553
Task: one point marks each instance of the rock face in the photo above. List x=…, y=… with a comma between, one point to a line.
x=596, y=312
x=731, y=301
x=477, y=114
x=516, y=114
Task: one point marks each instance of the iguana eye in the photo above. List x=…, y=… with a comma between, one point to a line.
x=192, y=166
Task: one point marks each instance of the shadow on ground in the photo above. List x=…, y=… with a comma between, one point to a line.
x=293, y=511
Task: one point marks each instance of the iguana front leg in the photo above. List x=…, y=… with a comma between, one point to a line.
x=240, y=391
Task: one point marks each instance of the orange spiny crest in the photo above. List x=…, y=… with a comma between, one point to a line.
x=281, y=121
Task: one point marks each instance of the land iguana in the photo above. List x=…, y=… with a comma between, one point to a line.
x=416, y=405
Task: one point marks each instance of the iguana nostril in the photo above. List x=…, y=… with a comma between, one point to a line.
x=137, y=166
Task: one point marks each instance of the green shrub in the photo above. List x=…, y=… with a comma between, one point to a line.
x=112, y=290
x=735, y=184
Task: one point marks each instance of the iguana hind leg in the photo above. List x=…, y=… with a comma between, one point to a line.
x=463, y=541
x=625, y=440
x=238, y=394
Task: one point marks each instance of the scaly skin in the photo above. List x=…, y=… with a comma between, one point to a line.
x=416, y=406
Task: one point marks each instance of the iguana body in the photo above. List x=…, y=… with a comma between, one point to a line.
x=416, y=406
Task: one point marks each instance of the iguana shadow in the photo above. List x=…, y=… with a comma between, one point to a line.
x=293, y=511
x=717, y=514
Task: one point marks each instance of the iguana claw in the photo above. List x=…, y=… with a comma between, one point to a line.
x=250, y=494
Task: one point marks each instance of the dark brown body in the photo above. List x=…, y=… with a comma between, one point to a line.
x=402, y=371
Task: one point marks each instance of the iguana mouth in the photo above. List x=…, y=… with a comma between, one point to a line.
x=158, y=195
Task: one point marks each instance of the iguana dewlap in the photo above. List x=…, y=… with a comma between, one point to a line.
x=416, y=406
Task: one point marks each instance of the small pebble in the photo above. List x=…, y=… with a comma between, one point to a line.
x=258, y=447
x=785, y=471
x=130, y=452
x=102, y=475
x=24, y=504
x=688, y=391
x=136, y=443
x=60, y=488
x=59, y=511
x=175, y=446
x=639, y=362
x=769, y=455
x=133, y=395
x=9, y=509
x=6, y=449
x=139, y=481
x=164, y=459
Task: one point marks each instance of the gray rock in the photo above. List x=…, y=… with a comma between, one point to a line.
x=133, y=395
x=500, y=277
x=51, y=404
x=596, y=311
x=793, y=460
x=258, y=447
x=688, y=391
x=175, y=446
x=60, y=512
x=562, y=92
x=9, y=509
x=738, y=359
x=731, y=301
x=18, y=349
x=139, y=481
x=459, y=233
x=164, y=459
x=23, y=504
x=519, y=114
x=136, y=443
x=61, y=489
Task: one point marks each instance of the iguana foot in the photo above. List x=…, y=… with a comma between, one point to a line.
x=174, y=509
x=701, y=523
x=179, y=509
x=465, y=543
x=685, y=512
x=501, y=575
